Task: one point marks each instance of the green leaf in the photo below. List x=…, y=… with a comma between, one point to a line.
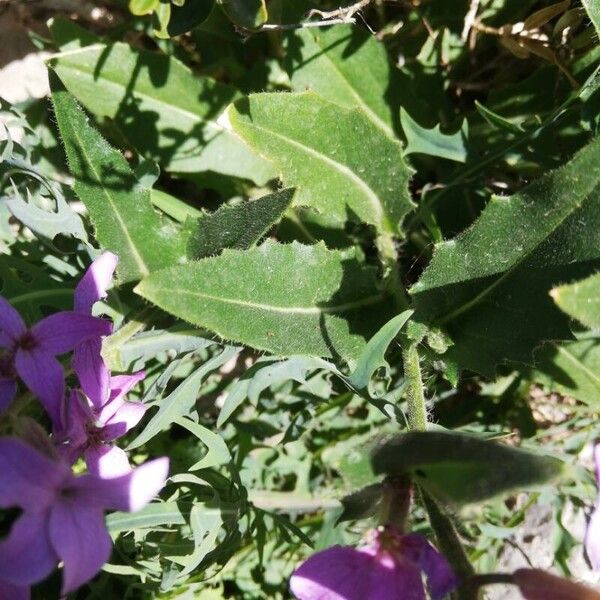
x=119, y=208
x=167, y=113
x=205, y=523
x=460, y=469
x=285, y=299
x=249, y=14
x=361, y=504
x=217, y=454
x=151, y=516
x=373, y=356
x=180, y=401
x=185, y=17
x=570, y=368
x=346, y=65
x=265, y=374
x=432, y=141
x=593, y=10
x=490, y=286
x=240, y=226
x=143, y=7
x=580, y=300
x=343, y=166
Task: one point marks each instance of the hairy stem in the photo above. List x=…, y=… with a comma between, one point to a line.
x=417, y=410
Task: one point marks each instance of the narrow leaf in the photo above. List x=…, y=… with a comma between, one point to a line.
x=593, y=10
x=240, y=226
x=217, y=454
x=285, y=299
x=373, y=356
x=348, y=167
x=459, y=469
x=120, y=209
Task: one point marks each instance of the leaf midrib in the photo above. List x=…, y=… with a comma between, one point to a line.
x=578, y=363
x=194, y=117
x=373, y=198
x=467, y=306
x=143, y=268
x=308, y=310
x=372, y=115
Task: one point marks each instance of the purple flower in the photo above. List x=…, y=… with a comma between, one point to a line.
x=90, y=431
x=63, y=515
x=8, y=591
x=387, y=568
x=32, y=352
x=592, y=535
x=93, y=375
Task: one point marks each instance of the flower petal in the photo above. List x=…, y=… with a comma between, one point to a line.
x=79, y=537
x=11, y=323
x=342, y=573
x=44, y=376
x=27, y=477
x=91, y=370
x=127, y=416
x=120, y=385
x=128, y=492
x=107, y=461
x=440, y=577
x=8, y=591
x=26, y=555
x=62, y=331
x=8, y=390
x=592, y=539
x=94, y=283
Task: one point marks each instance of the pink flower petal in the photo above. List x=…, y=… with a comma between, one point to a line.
x=27, y=477
x=11, y=323
x=343, y=573
x=79, y=537
x=8, y=591
x=120, y=385
x=26, y=555
x=127, y=416
x=62, y=331
x=93, y=375
x=107, y=461
x=128, y=492
x=44, y=376
x=94, y=283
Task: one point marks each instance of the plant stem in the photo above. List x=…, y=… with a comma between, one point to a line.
x=417, y=410
x=451, y=547
x=391, y=271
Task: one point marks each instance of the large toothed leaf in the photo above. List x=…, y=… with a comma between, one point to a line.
x=119, y=208
x=348, y=167
x=167, y=113
x=490, y=287
x=238, y=226
x=459, y=469
x=285, y=299
x=581, y=300
x=346, y=65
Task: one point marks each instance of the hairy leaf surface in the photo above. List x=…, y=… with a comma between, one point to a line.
x=490, y=286
x=166, y=112
x=581, y=300
x=285, y=299
x=119, y=208
x=344, y=167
